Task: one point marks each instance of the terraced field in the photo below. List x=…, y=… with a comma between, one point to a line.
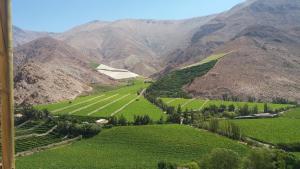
x=123, y=101
x=285, y=129
x=33, y=134
x=132, y=147
x=196, y=104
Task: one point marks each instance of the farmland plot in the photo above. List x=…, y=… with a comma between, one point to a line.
x=132, y=147
x=198, y=103
x=285, y=129
x=125, y=100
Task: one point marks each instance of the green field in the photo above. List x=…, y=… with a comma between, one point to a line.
x=24, y=140
x=123, y=101
x=133, y=148
x=285, y=129
x=197, y=104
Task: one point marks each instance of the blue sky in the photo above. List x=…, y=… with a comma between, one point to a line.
x=61, y=15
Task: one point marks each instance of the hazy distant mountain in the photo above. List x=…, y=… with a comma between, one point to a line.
x=137, y=45
x=48, y=70
x=23, y=36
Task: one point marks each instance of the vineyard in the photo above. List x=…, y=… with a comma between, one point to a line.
x=285, y=129
x=127, y=101
x=35, y=134
x=132, y=147
x=198, y=104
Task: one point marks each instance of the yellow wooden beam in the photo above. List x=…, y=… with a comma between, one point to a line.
x=6, y=84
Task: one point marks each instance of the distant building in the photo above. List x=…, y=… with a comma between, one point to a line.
x=257, y=116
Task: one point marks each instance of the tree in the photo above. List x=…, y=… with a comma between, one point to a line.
x=113, y=120
x=231, y=108
x=166, y=165
x=221, y=159
x=255, y=110
x=244, y=111
x=213, y=125
x=122, y=121
x=266, y=108
x=259, y=159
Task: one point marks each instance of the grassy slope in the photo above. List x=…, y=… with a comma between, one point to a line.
x=196, y=104
x=208, y=59
x=131, y=147
x=285, y=129
x=103, y=99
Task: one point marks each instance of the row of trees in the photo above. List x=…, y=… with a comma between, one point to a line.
x=70, y=126
x=137, y=120
x=228, y=159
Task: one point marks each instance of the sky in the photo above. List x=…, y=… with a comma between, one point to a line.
x=61, y=15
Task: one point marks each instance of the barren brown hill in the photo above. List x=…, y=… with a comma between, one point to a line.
x=137, y=45
x=256, y=68
x=48, y=70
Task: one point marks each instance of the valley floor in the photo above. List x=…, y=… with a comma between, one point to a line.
x=132, y=147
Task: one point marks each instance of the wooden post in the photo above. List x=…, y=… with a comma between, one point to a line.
x=6, y=82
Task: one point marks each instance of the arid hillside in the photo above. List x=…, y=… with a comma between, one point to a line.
x=48, y=70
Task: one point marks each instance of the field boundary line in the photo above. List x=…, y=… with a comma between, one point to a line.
x=32, y=128
x=37, y=135
x=39, y=149
x=188, y=102
x=170, y=101
x=22, y=124
x=108, y=104
x=64, y=108
x=87, y=106
x=127, y=104
x=206, y=101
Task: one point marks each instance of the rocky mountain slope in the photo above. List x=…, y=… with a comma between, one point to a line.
x=137, y=45
x=48, y=70
x=264, y=39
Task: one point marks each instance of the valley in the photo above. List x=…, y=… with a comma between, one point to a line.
x=213, y=92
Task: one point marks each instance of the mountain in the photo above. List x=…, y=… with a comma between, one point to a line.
x=48, y=70
x=263, y=38
x=23, y=36
x=137, y=45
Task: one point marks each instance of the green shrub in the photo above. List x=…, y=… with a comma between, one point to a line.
x=221, y=159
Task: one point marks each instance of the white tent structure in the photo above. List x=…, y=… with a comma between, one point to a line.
x=116, y=73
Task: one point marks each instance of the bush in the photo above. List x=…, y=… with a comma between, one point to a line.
x=142, y=120
x=75, y=129
x=221, y=159
x=166, y=165
x=270, y=159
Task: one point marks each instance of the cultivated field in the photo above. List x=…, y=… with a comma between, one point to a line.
x=34, y=134
x=197, y=104
x=133, y=148
x=285, y=129
x=123, y=101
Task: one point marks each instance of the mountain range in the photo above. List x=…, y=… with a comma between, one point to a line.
x=261, y=37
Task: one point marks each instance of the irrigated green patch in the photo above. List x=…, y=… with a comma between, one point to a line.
x=276, y=130
x=133, y=148
x=293, y=113
x=125, y=100
x=171, y=84
x=198, y=103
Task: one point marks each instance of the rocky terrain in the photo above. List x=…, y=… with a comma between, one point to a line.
x=48, y=70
